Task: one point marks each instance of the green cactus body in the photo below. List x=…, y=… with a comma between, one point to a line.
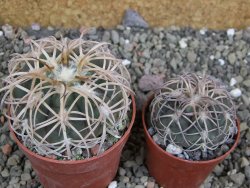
x=67, y=94
x=193, y=112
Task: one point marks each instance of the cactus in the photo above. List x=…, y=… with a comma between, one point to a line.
x=67, y=94
x=193, y=112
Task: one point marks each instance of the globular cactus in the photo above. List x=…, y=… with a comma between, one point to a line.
x=65, y=95
x=193, y=112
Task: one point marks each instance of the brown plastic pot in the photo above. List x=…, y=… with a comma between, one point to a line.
x=173, y=172
x=95, y=172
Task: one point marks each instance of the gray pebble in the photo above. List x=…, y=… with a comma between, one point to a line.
x=191, y=56
x=121, y=171
x=232, y=58
x=247, y=172
x=115, y=36
x=129, y=164
x=25, y=177
x=238, y=178
x=5, y=173
x=13, y=160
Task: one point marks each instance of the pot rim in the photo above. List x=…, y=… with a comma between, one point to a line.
x=144, y=122
x=68, y=162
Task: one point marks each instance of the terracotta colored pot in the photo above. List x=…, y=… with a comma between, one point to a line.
x=95, y=172
x=173, y=172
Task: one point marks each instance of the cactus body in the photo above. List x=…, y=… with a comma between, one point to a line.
x=193, y=112
x=67, y=94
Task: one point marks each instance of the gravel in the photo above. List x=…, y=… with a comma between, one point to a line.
x=156, y=54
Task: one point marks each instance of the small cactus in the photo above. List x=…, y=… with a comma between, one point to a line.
x=193, y=112
x=67, y=94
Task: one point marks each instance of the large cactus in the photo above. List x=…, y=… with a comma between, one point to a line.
x=65, y=95
x=193, y=112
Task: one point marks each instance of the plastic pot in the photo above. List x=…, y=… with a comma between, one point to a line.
x=95, y=172
x=173, y=172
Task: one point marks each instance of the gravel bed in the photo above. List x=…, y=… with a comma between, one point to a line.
x=152, y=56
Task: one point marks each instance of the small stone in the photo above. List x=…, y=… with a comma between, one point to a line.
x=150, y=184
x=211, y=57
x=106, y=36
x=129, y=164
x=173, y=149
x=183, y=43
x=146, y=53
x=144, y=179
x=158, y=140
x=115, y=36
x=236, y=93
x=113, y=184
x=247, y=151
x=35, y=27
x=143, y=37
x=232, y=58
x=5, y=173
x=25, y=177
x=239, y=79
x=126, y=62
x=191, y=56
x=1, y=33
x=173, y=64
x=246, y=83
x=14, y=180
x=246, y=100
x=243, y=127
x=150, y=82
x=151, y=131
x=247, y=171
x=203, y=31
x=6, y=149
x=13, y=160
x=238, y=178
x=121, y=171
x=133, y=19
x=139, y=159
x=218, y=170
x=230, y=32
x=8, y=31
x=233, y=81
x=16, y=171
x=221, y=62
x=124, y=179
x=139, y=186
x=244, y=162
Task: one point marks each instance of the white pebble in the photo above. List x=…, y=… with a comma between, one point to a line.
x=221, y=61
x=236, y=92
x=1, y=33
x=35, y=27
x=211, y=57
x=126, y=62
x=230, y=32
x=173, y=149
x=203, y=31
x=113, y=184
x=183, y=43
x=233, y=81
x=126, y=41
